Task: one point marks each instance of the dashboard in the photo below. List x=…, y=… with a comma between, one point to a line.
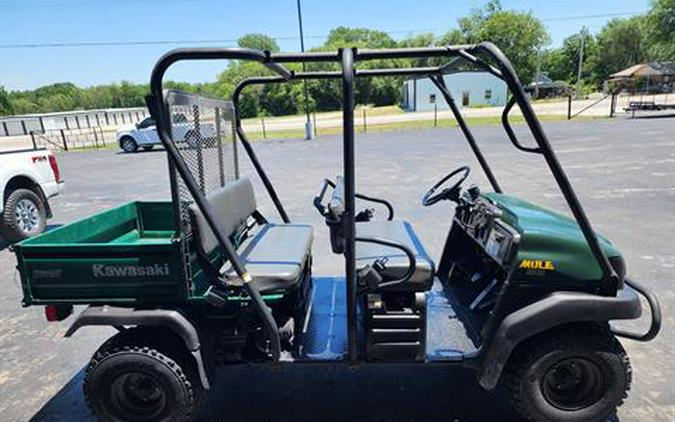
x=482, y=221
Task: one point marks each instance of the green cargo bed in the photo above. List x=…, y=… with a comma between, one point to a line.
x=127, y=254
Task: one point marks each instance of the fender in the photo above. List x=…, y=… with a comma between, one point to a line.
x=122, y=133
x=171, y=319
x=554, y=310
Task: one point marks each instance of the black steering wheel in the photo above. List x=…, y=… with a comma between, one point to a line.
x=452, y=193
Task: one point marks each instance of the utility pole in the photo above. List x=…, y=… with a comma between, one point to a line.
x=536, y=76
x=581, y=60
x=309, y=129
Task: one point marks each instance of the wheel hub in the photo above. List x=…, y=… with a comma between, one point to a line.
x=573, y=384
x=137, y=396
x=27, y=215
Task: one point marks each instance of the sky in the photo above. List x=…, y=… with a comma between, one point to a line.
x=26, y=23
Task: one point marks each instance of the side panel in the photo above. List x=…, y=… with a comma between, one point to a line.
x=124, y=255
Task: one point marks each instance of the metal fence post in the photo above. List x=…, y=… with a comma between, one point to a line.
x=569, y=107
x=316, y=130
x=4, y=126
x=32, y=138
x=23, y=126
x=435, y=115
x=77, y=121
x=107, y=119
x=42, y=124
x=365, y=125
x=262, y=120
x=63, y=137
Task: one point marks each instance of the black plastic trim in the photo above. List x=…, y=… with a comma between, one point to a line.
x=654, y=308
x=554, y=310
x=169, y=318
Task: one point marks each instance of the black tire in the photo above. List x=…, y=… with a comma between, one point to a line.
x=143, y=375
x=24, y=215
x=574, y=373
x=128, y=144
x=148, y=147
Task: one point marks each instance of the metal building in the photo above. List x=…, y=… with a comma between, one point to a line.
x=470, y=89
x=69, y=120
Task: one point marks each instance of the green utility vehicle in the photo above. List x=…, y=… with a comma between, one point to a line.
x=520, y=294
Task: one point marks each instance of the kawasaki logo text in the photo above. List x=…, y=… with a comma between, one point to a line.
x=156, y=270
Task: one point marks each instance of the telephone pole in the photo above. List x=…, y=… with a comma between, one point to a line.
x=581, y=60
x=309, y=128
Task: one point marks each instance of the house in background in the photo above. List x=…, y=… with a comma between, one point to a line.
x=469, y=89
x=545, y=87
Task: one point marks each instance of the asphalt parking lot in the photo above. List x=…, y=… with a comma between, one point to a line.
x=624, y=173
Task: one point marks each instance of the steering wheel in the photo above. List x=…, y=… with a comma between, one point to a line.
x=452, y=193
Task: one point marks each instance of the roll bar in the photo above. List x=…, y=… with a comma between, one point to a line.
x=502, y=69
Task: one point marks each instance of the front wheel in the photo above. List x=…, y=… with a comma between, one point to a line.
x=24, y=215
x=128, y=144
x=575, y=373
x=142, y=375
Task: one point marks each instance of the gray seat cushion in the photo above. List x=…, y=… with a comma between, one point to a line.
x=275, y=256
x=397, y=261
x=232, y=205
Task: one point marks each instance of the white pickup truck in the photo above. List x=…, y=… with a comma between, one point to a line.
x=28, y=178
x=144, y=133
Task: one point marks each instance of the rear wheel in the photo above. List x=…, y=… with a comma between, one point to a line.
x=128, y=144
x=576, y=373
x=142, y=375
x=24, y=215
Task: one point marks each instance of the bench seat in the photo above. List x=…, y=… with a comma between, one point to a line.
x=397, y=262
x=275, y=256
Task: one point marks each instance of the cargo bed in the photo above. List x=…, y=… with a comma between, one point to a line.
x=127, y=254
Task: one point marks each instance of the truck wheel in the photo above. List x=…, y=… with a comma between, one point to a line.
x=576, y=373
x=25, y=215
x=128, y=144
x=142, y=375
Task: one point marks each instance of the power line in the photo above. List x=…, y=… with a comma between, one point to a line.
x=604, y=15
x=281, y=38
x=164, y=42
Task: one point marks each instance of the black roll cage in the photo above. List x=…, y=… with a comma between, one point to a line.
x=473, y=54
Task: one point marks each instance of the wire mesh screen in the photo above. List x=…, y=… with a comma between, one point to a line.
x=203, y=131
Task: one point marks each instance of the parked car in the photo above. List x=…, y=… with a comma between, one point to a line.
x=28, y=178
x=144, y=133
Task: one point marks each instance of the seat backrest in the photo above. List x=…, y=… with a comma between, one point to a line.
x=232, y=205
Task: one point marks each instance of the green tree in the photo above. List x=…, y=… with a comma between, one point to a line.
x=5, y=104
x=358, y=37
x=563, y=63
x=660, y=30
x=470, y=27
x=452, y=37
x=519, y=35
x=259, y=42
x=620, y=43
